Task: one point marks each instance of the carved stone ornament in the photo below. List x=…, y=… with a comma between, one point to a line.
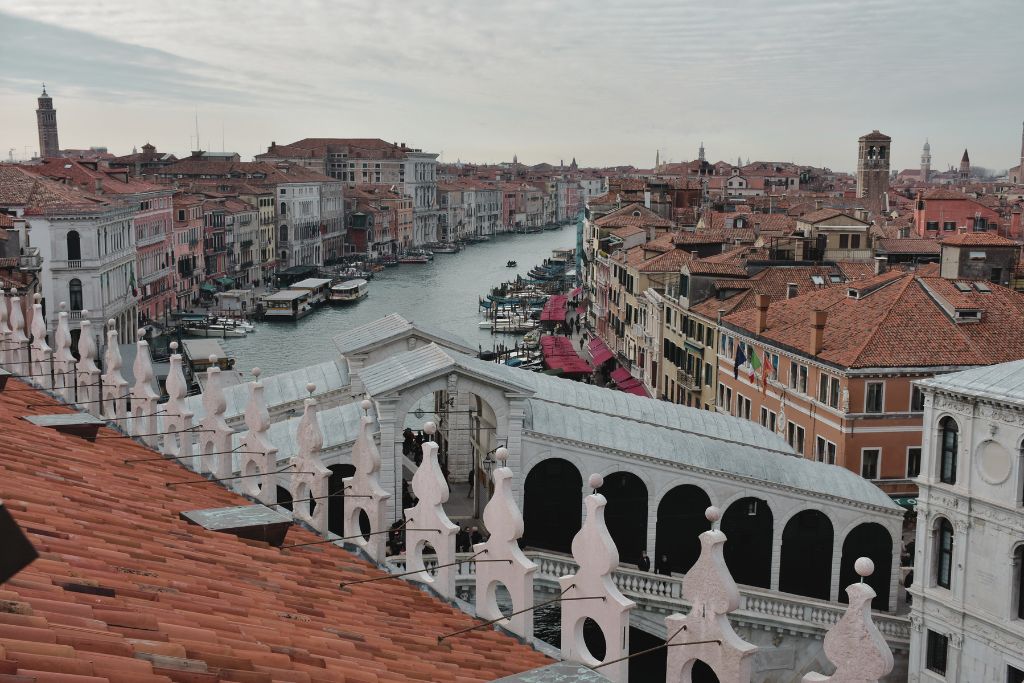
x=713, y=594
x=854, y=644
x=63, y=359
x=88, y=373
x=428, y=524
x=308, y=479
x=176, y=432
x=597, y=557
x=41, y=351
x=504, y=523
x=215, y=434
x=144, y=398
x=258, y=454
x=368, y=497
x=115, y=386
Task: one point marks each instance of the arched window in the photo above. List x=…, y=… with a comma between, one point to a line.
x=1018, y=581
x=948, y=441
x=943, y=553
x=283, y=234
x=75, y=295
x=284, y=209
x=74, y=243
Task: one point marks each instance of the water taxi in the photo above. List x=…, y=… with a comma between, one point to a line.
x=287, y=304
x=349, y=292
x=316, y=287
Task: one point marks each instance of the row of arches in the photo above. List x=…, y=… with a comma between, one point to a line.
x=552, y=510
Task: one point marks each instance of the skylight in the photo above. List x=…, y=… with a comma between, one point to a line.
x=962, y=286
x=982, y=287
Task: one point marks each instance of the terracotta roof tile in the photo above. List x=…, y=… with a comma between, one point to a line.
x=907, y=245
x=980, y=239
x=633, y=215
x=176, y=593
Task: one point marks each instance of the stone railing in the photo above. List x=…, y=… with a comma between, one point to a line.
x=663, y=594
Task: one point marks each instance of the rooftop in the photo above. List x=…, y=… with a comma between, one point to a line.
x=124, y=590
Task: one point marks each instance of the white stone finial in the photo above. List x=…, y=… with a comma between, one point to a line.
x=712, y=592
x=259, y=455
x=212, y=358
x=310, y=388
x=111, y=323
x=501, y=455
x=366, y=404
x=140, y=333
x=864, y=567
x=256, y=372
x=114, y=384
x=504, y=522
x=177, y=437
x=429, y=428
x=427, y=522
x=854, y=644
x=173, y=346
x=368, y=496
x=37, y=297
x=597, y=557
x=62, y=306
x=595, y=481
x=144, y=397
x=309, y=477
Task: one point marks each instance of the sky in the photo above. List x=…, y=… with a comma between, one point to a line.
x=605, y=82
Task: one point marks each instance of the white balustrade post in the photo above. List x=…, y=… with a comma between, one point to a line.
x=115, y=386
x=504, y=522
x=41, y=351
x=258, y=454
x=364, y=494
x=215, y=435
x=176, y=438
x=88, y=375
x=854, y=644
x=705, y=633
x=308, y=478
x=144, y=397
x=592, y=593
x=18, y=343
x=63, y=359
x=427, y=522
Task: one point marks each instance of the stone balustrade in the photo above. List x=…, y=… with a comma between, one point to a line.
x=664, y=593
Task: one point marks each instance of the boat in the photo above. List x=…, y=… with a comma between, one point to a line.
x=446, y=248
x=511, y=264
x=213, y=330
x=411, y=258
x=531, y=340
x=287, y=304
x=315, y=287
x=236, y=322
x=349, y=292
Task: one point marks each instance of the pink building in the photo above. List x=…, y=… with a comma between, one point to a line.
x=188, y=235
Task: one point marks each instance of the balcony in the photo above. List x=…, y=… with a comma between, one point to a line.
x=687, y=380
x=74, y=315
x=30, y=260
x=156, y=275
x=148, y=240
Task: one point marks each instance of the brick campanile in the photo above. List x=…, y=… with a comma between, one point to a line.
x=46, y=119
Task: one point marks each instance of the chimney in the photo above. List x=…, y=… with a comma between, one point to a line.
x=99, y=186
x=818, y=318
x=790, y=290
x=762, y=312
x=819, y=203
x=880, y=262
x=1015, y=223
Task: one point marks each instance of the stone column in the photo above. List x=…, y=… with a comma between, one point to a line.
x=777, y=530
x=390, y=455
x=837, y=561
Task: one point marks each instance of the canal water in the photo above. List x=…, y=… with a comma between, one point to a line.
x=444, y=293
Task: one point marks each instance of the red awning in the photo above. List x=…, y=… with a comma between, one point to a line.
x=620, y=375
x=554, y=309
x=569, y=365
x=599, y=352
x=576, y=292
x=557, y=345
x=634, y=386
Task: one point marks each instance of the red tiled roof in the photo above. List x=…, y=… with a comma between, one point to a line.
x=773, y=281
x=979, y=239
x=669, y=262
x=899, y=320
x=908, y=245
x=6, y=221
x=700, y=266
x=825, y=214
x=126, y=592
x=633, y=215
x=22, y=188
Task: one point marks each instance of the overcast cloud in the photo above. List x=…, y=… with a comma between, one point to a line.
x=605, y=82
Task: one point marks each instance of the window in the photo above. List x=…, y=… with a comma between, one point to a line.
x=1018, y=575
x=1014, y=675
x=949, y=226
x=854, y=241
x=742, y=406
x=869, y=462
x=844, y=241
x=874, y=397
x=948, y=441
x=798, y=377
x=768, y=419
x=937, y=647
x=828, y=390
x=916, y=399
x=825, y=451
x=75, y=295
x=913, y=461
x=796, y=437
x=932, y=225
x=943, y=553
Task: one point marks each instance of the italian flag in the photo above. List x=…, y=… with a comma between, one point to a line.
x=755, y=365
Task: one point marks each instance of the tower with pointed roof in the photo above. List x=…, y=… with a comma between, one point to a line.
x=700, y=152
x=965, y=167
x=46, y=120
x=926, y=161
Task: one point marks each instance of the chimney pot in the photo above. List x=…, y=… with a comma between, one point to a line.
x=791, y=290
x=880, y=263
x=762, y=312
x=818, y=318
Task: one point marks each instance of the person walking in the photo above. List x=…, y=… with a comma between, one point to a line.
x=644, y=563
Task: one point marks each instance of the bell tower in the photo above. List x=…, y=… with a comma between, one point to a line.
x=926, y=161
x=46, y=119
x=873, y=167
x=965, y=167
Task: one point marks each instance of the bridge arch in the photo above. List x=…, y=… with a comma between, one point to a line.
x=680, y=522
x=871, y=540
x=626, y=513
x=552, y=504
x=748, y=524
x=805, y=566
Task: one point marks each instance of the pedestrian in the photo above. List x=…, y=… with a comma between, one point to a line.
x=581, y=343
x=644, y=563
x=907, y=583
x=475, y=536
x=662, y=566
x=462, y=540
x=470, y=480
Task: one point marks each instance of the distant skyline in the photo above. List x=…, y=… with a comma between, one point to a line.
x=607, y=83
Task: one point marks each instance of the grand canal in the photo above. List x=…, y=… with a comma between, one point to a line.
x=443, y=293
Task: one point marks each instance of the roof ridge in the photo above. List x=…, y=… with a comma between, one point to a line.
x=880, y=320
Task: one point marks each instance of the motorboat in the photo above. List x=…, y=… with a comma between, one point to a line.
x=245, y=325
x=511, y=264
x=213, y=330
x=349, y=292
x=413, y=258
x=446, y=248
